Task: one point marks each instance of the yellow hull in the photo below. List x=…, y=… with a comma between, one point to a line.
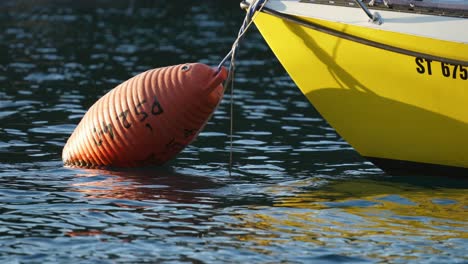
x=386, y=104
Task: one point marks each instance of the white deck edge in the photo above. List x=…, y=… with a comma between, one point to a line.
x=437, y=27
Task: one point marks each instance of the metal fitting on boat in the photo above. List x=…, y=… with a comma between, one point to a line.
x=376, y=19
x=373, y=18
x=244, y=5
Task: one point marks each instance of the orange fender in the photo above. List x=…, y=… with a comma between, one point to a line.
x=148, y=119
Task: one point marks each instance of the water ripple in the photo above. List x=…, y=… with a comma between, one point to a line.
x=295, y=192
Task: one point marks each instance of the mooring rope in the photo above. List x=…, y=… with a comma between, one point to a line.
x=256, y=5
x=230, y=81
x=248, y=20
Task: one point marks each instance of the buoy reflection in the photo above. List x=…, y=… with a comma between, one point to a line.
x=143, y=185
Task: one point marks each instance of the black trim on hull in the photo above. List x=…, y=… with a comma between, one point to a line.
x=364, y=41
x=402, y=168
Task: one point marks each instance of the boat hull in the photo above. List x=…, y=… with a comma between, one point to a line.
x=390, y=106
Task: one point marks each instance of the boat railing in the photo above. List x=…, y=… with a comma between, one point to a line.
x=452, y=8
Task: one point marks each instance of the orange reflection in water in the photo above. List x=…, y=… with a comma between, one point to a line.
x=143, y=185
x=142, y=188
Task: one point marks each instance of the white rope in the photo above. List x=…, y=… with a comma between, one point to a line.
x=256, y=5
x=248, y=20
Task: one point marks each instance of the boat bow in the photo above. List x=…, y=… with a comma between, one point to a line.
x=396, y=91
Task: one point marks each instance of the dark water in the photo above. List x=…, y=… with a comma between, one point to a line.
x=298, y=193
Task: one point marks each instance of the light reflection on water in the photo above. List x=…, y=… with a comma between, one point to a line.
x=406, y=221
x=297, y=193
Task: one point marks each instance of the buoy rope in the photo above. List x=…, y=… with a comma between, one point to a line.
x=230, y=81
x=256, y=5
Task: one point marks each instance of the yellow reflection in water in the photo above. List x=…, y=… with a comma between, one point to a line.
x=377, y=214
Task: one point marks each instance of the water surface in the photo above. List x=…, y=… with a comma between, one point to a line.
x=298, y=193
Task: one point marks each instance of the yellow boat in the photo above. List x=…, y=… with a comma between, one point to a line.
x=390, y=77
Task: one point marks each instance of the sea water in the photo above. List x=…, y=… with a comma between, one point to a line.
x=298, y=193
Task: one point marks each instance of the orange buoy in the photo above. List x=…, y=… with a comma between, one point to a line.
x=148, y=119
